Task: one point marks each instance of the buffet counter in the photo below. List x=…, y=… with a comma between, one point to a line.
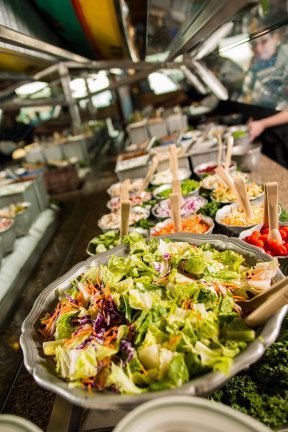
x=65, y=250
x=270, y=171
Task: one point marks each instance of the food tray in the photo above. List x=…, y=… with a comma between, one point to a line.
x=42, y=368
x=138, y=131
x=139, y=170
x=183, y=162
x=197, y=158
x=22, y=220
x=8, y=238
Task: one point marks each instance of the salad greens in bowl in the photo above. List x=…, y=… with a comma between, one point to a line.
x=188, y=187
x=161, y=318
x=110, y=239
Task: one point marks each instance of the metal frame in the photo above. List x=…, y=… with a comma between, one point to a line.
x=71, y=102
x=13, y=37
x=209, y=19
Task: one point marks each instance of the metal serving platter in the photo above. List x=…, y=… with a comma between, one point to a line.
x=43, y=370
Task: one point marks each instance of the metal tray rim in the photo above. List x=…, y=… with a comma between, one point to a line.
x=201, y=386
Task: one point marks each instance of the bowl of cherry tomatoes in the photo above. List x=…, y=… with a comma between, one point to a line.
x=258, y=236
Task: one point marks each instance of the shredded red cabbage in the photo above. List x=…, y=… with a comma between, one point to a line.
x=71, y=300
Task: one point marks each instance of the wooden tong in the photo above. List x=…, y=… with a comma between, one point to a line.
x=266, y=304
x=225, y=177
x=149, y=175
x=176, y=211
x=272, y=202
x=220, y=147
x=173, y=161
x=124, y=190
x=124, y=222
x=230, y=142
x=242, y=196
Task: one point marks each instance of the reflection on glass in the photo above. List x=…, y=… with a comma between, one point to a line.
x=252, y=60
x=166, y=19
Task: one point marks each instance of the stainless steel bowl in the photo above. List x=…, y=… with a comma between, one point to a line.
x=247, y=157
x=42, y=367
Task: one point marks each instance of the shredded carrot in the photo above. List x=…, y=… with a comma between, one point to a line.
x=194, y=224
x=114, y=328
x=239, y=297
x=80, y=334
x=80, y=298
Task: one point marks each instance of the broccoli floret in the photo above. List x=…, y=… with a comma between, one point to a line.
x=262, y=392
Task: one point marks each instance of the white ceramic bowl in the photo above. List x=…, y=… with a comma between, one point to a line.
x=204, y=165
x=168, y=186
x=225, y=211
x=283, y=259
x=162, y=224
x=142, y=211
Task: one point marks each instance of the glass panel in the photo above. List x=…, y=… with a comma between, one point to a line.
x=252, y=60
x=165, y=19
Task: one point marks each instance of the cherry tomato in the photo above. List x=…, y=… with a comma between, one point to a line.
x=285, y=228
x=264, y=238
x=281, y=250
x=256, y=234
x=283, y=233
x=247, y=239
x=256, y=242
x=273, y=245
x=265, y=231
x=259, y=243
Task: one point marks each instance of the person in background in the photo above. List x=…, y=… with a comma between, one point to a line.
x=11, y=132
x=257, y=127
x=265, y=54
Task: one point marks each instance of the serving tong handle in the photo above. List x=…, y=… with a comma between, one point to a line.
x=150, y=144
x=225, y=177
x=220, y=147
x=272, y=200
x=249, y=306
x=265, y=209
x=124, y=223
x=270, y=305
x=176, y=211
x=173, y=160
x=149, y=175
x=230, y=142
x=176, y=189
x=124, y=190
x=243, y=196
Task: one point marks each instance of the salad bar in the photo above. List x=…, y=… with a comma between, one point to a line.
x=155, y=311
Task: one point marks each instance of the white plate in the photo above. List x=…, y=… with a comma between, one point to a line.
x=11, y=423
x=187, y=414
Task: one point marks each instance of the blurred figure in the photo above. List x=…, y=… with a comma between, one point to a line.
x=13, y=130
x=256, y=87
x=257, y=127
